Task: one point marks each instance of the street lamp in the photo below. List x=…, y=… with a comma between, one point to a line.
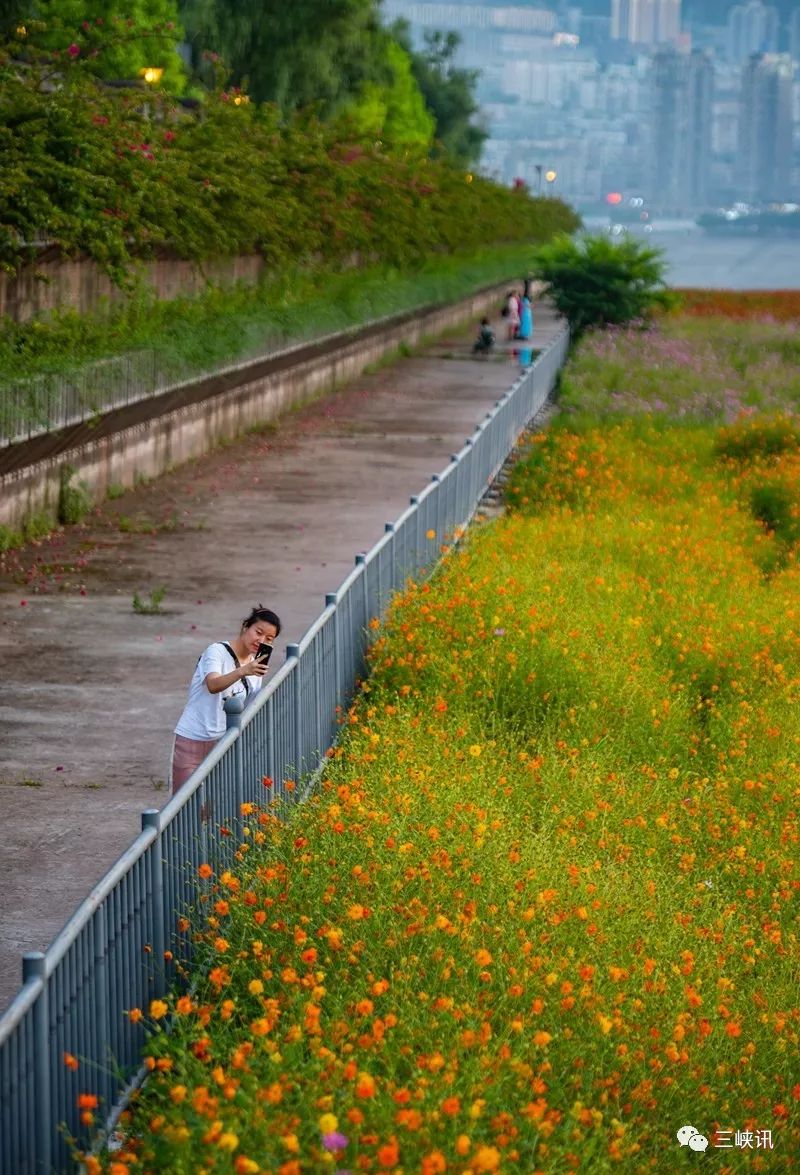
x=551, y=176
x=151, y=74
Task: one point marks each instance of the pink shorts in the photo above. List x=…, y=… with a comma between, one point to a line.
x=187, y=755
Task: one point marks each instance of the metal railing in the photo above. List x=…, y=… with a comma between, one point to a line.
x=110, y=957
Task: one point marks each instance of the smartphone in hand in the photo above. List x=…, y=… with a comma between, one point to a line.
x=264, y=653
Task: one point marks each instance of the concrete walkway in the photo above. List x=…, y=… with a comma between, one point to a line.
x=92, y=689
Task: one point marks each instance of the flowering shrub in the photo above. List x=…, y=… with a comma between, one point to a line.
x=118, y=175
x=541, y=912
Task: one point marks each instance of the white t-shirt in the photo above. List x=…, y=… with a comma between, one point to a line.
x=203, y=718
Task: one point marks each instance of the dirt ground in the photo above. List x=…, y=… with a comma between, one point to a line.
x=92, y=688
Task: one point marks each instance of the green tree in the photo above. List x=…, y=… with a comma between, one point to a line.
x=394, y=111
x=449, y=92
x=295, y=54
x=596, y=282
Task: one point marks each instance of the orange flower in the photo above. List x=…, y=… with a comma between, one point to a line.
x=433, y=1164
x=451, y=1106
x=135, y=1015
x=486, y=1158
x=205, y=871
x=70, y=1061
x=389, y=1154
x=482, y=957
x=87, y=1101
x=365, y=1086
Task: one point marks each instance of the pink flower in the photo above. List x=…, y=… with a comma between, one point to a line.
x=74, y=50
x=334, y=1141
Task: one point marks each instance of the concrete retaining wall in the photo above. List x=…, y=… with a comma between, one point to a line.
x=155, y=445
x=81, y=284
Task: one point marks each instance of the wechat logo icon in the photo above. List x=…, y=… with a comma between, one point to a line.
x=688, y=1136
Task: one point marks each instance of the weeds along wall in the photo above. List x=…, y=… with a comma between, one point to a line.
x=83, y=285
x=155, y=444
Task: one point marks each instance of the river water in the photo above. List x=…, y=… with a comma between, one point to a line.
x=698, y=260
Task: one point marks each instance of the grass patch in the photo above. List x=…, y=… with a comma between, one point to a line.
x=152, y=605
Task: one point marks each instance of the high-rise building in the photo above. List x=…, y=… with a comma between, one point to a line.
x=794, y=36
x=646, y=22
x=752, y=28
x=765, y=128
x=682, y=88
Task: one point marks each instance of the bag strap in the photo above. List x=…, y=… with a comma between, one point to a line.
x=245, y=682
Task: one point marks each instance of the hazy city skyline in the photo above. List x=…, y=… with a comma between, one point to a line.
x=688, y=105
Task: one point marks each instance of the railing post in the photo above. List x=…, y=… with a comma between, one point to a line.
x=150, y=820
x=389, y=528
x=414, y=501
x=294, y=651
x=233, y=708
x=361, y=561
x=330, y=602
x=34, y=967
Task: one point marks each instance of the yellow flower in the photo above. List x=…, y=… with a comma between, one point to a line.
x=158, y=1009
x=178, y=1093
x=430, y=534
x=475, y=750
x=328, y=1123
x=228, y=1140
x=255, y=987
x=291, y=1143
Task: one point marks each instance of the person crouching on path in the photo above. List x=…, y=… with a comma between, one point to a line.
x=222, y=671
x=485, y=340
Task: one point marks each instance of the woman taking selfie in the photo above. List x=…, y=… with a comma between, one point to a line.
x=223, y=671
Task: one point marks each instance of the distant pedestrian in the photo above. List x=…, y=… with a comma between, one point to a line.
x=222, y=671
x=525, y=320
x=511, y=314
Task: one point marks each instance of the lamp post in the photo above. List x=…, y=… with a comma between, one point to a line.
x=151, y=75
x=538, y=169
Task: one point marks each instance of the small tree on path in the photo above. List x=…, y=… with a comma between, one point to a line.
x=597, y=282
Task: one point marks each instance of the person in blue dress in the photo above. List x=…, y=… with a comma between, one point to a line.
x=525, y=320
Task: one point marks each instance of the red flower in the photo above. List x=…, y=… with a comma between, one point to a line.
x=74, y=50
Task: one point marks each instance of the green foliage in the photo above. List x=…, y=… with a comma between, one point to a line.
x=74, y=499
x=395, y=111
x=296, y=55
x=596, y=282
x=749, y=439
x=449, y=93
x=151, y=606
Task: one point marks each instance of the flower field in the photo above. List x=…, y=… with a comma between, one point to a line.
x=542, y=912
